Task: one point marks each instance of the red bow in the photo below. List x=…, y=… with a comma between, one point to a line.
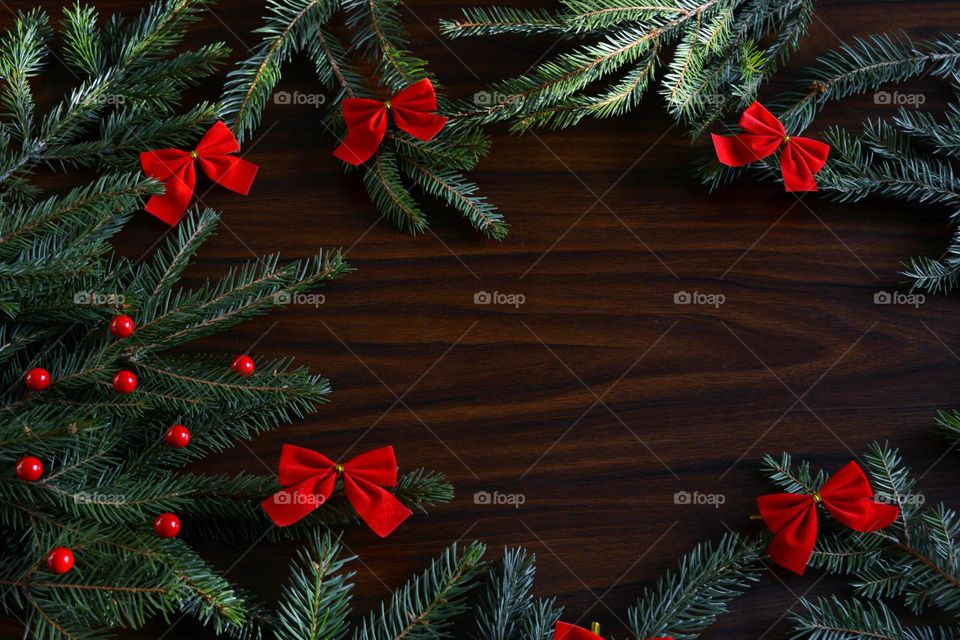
x=310, y=477
x=367, y=120
x=793, y=516
x=566, y=631
x=175, y=169
x=801, y=157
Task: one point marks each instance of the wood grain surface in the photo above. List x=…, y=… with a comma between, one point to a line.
x=598, y=398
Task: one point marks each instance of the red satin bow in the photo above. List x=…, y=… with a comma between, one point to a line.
x=793, y=516
x=310, y=477
x=175, y=169
x=566, y=631
x=800, y=159
x=367, y=120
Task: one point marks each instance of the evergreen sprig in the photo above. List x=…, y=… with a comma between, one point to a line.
x=909, y=156
x=403, y=165
x=714, y=55
x=914, y=561
x=107, y=472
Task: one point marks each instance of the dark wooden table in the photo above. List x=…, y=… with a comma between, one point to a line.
x=599, y=398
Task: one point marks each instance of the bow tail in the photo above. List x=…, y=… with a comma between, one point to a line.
x=172, y=203
x=376, y=506
x=421, y=125
x=743, y=148
x=793, y=520
x=800, y=160
x=293, y=503
x=230, y=172
x=366, y=122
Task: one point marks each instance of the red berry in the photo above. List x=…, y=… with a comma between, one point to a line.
x=166, y=525
x=29, y=469
x=243, y=365
x=60, y=560
x=37, y=379
x=122, y=326
x=124, y=381
x=177, y=436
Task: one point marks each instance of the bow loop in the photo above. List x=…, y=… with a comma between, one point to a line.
x=792, y=517
x=800, y=158
x=175, y=168
x=366, y=120
x=312, y=477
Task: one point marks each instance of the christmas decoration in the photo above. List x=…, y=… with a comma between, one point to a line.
x=912, y=562
x=799, y=160
x=107, y=473
x=122, y=326
x=177, y=436
x=60, y=560
x=124, y=381
x=29, y=469
x=243, y=365
x=366, y=120
x=175, y=169
x=461, y=596
x=166, y=525
x=793, y=517
x=377, y=46
x=310, y=478
x=908, y=156
x=37, y=379
x=716, y=54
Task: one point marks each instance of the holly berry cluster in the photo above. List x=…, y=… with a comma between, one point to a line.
x=30, y=469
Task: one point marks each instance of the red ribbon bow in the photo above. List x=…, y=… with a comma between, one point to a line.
x=793, y=516
x=567, y=631
x=800, y=159
x=366, y=120
x=175, y=169
x=310, y=477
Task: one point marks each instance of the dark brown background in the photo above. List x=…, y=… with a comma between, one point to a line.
x=799, y=282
